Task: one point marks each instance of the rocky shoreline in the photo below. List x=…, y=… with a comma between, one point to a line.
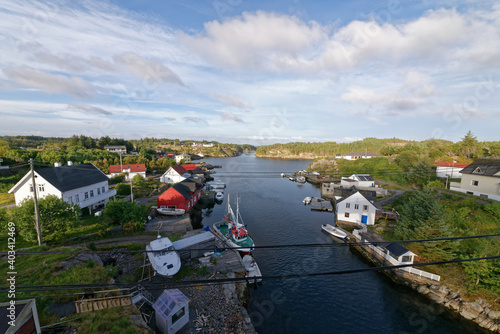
x=478, y=311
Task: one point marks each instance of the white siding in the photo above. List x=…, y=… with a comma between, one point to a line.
x=348, y=205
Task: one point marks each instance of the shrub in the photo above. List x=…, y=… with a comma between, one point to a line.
x=122, y=189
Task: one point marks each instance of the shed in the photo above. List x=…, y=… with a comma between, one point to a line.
x=171, y=310
x=400, y=253
x=19, y=317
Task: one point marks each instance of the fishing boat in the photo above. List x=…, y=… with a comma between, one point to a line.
x=170, y=211
x=335, y=231
x=233, y=231
x=252, y=269
x=163, y=257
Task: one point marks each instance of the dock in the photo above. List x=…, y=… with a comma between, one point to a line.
x=194, y=246
x=319, y=204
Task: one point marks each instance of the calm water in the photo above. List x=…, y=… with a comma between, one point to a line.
x=272, y=209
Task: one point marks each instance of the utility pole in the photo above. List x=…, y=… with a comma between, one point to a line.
x=121, y=165
x=131, y=192
x=35, y=200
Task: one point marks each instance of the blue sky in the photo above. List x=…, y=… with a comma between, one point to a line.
x=255, y=72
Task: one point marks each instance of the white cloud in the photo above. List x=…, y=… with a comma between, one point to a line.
x=51, y=83
x=232, y=101
x=231, y=117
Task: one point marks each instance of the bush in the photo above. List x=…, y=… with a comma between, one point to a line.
x=117, y=179
x=129, y=214
x=122, y=189
x=435, y=184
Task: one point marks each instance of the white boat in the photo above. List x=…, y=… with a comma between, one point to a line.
x=219, y=196
x=233, y=231
x=335, y=231
x=163, y=257
x=252, y=269
x=170, y=211
x=307, y=200
x=301, y=179
x=218, y=185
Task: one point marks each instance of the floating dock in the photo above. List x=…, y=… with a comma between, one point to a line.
x=319, y=204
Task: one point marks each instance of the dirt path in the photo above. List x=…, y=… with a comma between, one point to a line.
x=388, y=200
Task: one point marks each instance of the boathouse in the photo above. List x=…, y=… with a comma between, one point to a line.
x=399, y=254
x=183, y=195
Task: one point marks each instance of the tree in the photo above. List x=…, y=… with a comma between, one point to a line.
x=122, y=189
x=121, y=212
x=420, y=173
x=56, y=218
x=407, y=159
x=469, y=145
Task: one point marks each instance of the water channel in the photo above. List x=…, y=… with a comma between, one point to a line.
x=272, y=209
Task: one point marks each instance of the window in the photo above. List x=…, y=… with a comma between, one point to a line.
x=406, y=258
x=483, y=195
x=346, y=214
x=31, y=188
x=347, y=205
x=86, y=195
x=98, y=191
x=41, y=187
x=475, y=182
x=103, y=191
x=178, y=315
x=478, y=170
x=70, y=200
x=77, y=198
x=91, y=193
x=365, y=207
x=356, y=206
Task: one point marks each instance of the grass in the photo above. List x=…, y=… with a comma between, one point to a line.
x=6, y=199
x=19, y=242
x=113, y=320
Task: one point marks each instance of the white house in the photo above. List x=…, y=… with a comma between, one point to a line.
x=120, y=149
x=130, y=170
x=84, y=185
x=185, y=157
x=397, y=254
x=171, y=311
x=358, y=180
x=356, y=209
x=480, y=178
x=450, y=169
x=357, y=155
x=175, y=174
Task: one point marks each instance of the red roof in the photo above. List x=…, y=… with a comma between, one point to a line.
x=133, y=168
x=451, y=164
x=179, y=169
x=189, y=166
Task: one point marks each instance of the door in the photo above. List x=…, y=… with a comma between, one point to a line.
x=364, y=219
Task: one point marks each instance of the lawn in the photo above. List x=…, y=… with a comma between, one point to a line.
x=6, y=199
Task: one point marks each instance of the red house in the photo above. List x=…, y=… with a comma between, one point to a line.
x=182, y=195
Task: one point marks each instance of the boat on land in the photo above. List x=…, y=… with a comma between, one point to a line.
x=233, y=231
x=163, y=257
x=170, y=211
x=252, y=269
x=335, y=231
x=307, y=200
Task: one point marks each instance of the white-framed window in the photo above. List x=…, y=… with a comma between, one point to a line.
x=98, y=191
x=103, y=190
x=31, y=188
x=86, y=195
x=356, y=206
x=92, y=193
x=77, y=198
x=346, y=214
x=41, y=187
x=475, y=182
x=365, y=207
x=70, y=200
x=347, y=205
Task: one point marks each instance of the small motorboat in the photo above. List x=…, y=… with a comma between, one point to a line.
x=219, y=196
x=301, y=179
x=163, y=257
x=335, y=231
x=170, y=211
x=252, y=269
x=307, y=200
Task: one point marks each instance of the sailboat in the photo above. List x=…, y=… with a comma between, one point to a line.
x=233, y=231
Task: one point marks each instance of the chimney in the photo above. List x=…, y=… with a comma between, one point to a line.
x=70, y=163
x=57, y=164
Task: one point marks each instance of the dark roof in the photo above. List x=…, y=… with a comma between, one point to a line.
x=197, y=170
x=483, y=166
x=179, y=169
x=364, y=177
x=182, y=189
x=190, y=184
x=370, y=195
x=396, y=249
x=67, y=178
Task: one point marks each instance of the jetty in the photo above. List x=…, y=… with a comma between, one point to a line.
x=320, y=204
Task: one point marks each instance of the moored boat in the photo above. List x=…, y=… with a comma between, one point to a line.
x=163, y=257
x=301, y=179
x=335, y=231
x=170, y=211
x=252, y=269
x=219, y=196
x=307, y=200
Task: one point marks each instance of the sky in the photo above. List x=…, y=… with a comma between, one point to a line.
x=257, y=72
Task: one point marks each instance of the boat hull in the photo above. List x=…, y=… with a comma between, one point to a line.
x=163, y=258
x=334, y=231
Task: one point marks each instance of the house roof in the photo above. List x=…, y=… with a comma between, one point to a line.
x=65, y=178
x=179, y=169
x=364, y=177
x=190, y=184
x=189, y=167
x=343, y=193
x=133, y=168
x=362, y=153
x=166, y=304
x=197, y=170
x=397, y=249
x=451, y=164
x=115, y=146
x=483, y=166
x=182, y=189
